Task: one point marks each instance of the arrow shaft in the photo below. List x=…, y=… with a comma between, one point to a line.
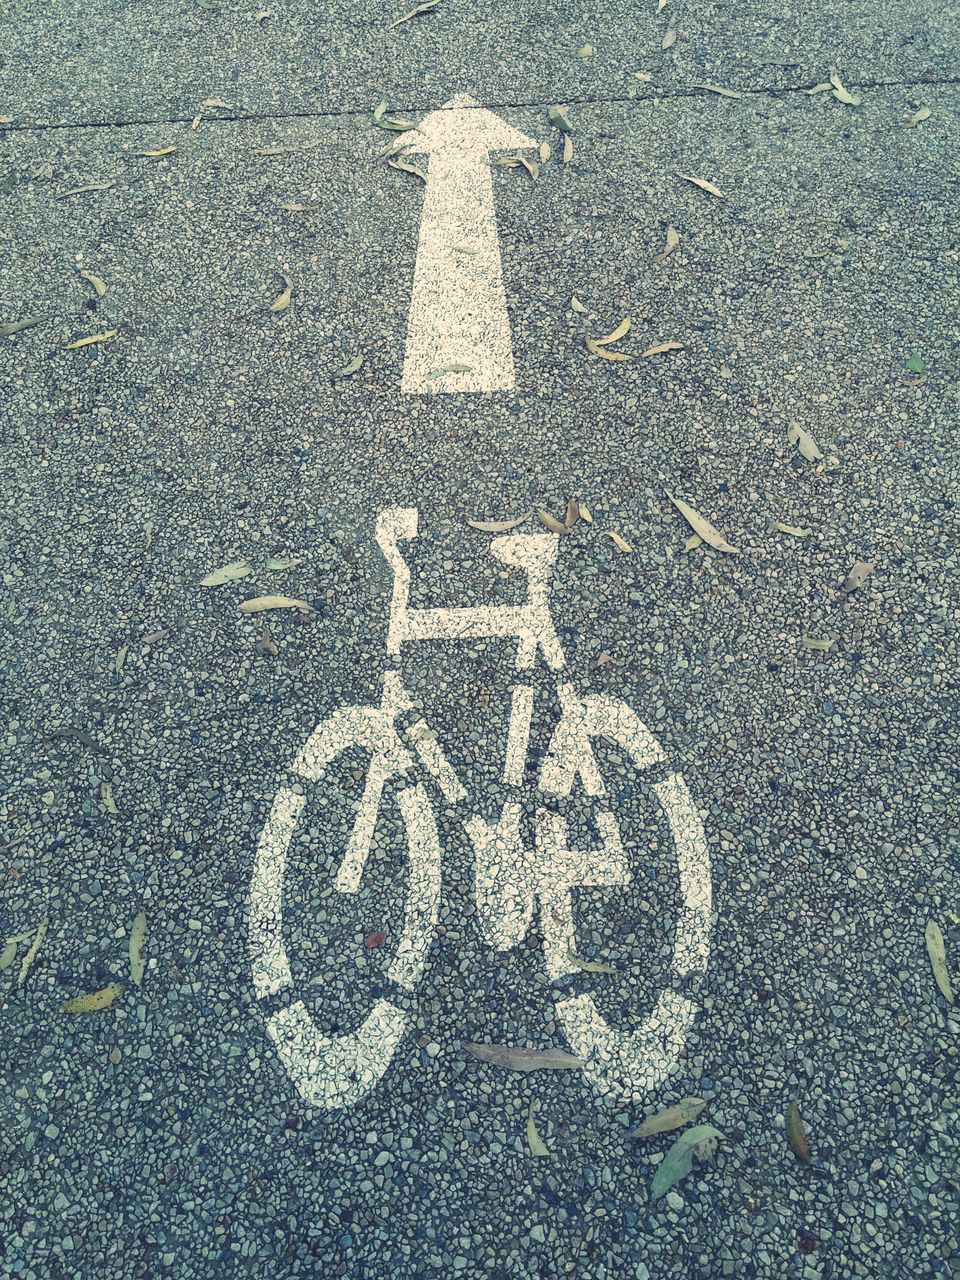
x=458, y=310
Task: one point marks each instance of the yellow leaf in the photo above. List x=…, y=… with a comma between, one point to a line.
x=227, y=573
x=534, y=1141
x=585, y=513
x=215, y=102
x=137, y=947
x=572, y=513
x=425, y=7
x=259, y=603
x=551, y=522
x=701, y=525
x=31, y=955
x=195, y=123
x=544, y=152
x=88, y=342
x=595, y=349
x=661, y=347
x=693, y=542
x=620, y=543
x=577, y=305
x=94, y=1002
x=99, y=287
x=715, y=88
x=621, y=331
x=814, y=642
x=164, y=151
x=703, y=184
x=938, y=958
x=282, y=301
x=795, y=530
x=497, y=526
x=673, y=239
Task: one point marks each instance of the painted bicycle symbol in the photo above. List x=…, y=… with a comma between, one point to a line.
x=512, y=881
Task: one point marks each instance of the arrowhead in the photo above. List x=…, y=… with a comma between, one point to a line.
x=463, y=125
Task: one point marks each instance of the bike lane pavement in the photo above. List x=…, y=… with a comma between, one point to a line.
x=162, y=1135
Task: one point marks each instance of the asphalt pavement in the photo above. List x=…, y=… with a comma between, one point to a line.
x=769, y=942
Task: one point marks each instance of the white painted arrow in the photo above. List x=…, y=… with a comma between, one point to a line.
x=458, y=311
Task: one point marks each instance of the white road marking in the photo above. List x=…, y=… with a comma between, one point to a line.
x=435, y=762
x=518, y=734
x=458, y=309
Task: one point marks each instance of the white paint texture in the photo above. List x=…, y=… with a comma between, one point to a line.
x=458, y=309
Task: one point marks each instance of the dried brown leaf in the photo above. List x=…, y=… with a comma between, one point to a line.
x=674, y=1117
x=858, y=575
x=497, y=526
x=259, y=603
x=796, y=1134
x=699, y=524
x=516, y=1059
x=703, y=184
x=661, y=347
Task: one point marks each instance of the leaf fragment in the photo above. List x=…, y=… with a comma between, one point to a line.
x=217, y=103
x=698, y=1143
x=567, y=154
x=715, y=88
x=544, y=151
x=796, y=1133
x=534, y=1141
x=576, y=305
x=804, y=441
x=374, y=940
x=551, y=522
x=858, y=575
x=675, y=1117
x=693, y=542
x=17, y=326
x=282, y=301
x=227, y=573
x=673, y=239
x=266, y=643
x=819, y=643
x=670, y=39
x=497, y=526
x=94, y=1002
x=258, y=603
x=660, y=347
x=572, y=514
x=559, y=119
x=8, y=955
x=584, y=512
x=517, y=1059
x=915, y=362
x=531, y=166
x=622, y=329
x=425, y=7
x=588, y=966
x=31, y=955
x=99, y=288
x=823, y=87
x=163, y=151
x=448, y=368
x=294, y=206
x=137, y=947
x=595, y=349
x=918, y=118
x=840, y=93
x=407, y=168
x=699, y=524
x=91, y=186
x=703, y=184
x=795, y=530
x=279, y=562
x=938, y=958
x=89, y=342
x=120, y=658
x=352, y=367
x=586, y=51
x=620, y=543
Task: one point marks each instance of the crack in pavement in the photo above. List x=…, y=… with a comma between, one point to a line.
x=692, y=91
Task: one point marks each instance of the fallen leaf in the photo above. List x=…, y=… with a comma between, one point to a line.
x=137, y=947
x=266, y=643
x=693, y=542
x=938, y=958
x=88, y=342
x=156, y=636
x=585, y=512
x=497, y=526
x=622, y=329
x=379, y=111
x=673, y=239
x=586, y=51
x=915, y=362
x=918, y=118
x=31, y=955
x=94, y=1002
x=8, y=182
x=544, y=152
x=589, y=966
x=216, y=102
x=595, y=349
x=805, y=441
x=567, y=155
x=68, y=731
x=823, y=87
x=644, y=75
x=551, y=523
x=164, y=151
x=448, y=368
x=701, y=525
x=703, y=184
x=278, y=562
x=99, y=287
x=670, y=39
x=605, y=659
x=697, y=1143
x=503, y=1055
x=352, y=367
x=106, y=797
x=531, y=167
x=534, y=1141
x=294, y=207
x=374, y=940
x=858, y=575
x=796, y=1134
x=407, y=168
x=415, y=12
x=840, y=93
x=576, y=305
x=282, y=301
x=620, y=543
x=262, y=14
x=8, y=955
x=715, y=88
x=120, y=658
x=258, y=603
x=228, y=573
x=16, y=326
x=6, y=119
x=675, y=1117
x=814, y=642
x=91, y=186
x=661, y=347
x=559, y=119
x=795, y=530
x=573, y=513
